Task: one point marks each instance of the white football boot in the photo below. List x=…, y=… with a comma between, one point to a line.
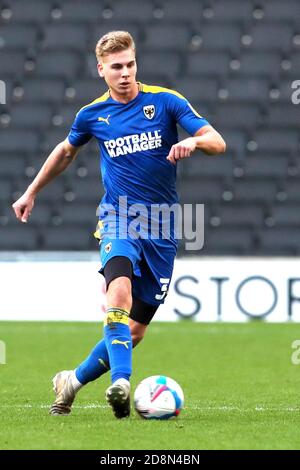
x=118, y=397
x=64, y=393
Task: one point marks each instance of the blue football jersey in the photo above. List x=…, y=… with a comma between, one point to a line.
x=134, y=139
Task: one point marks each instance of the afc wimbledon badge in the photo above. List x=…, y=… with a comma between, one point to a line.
x=107, y=247
x=149, y=111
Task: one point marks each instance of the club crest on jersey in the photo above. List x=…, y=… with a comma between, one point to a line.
x=149, y=111
x=107, y=247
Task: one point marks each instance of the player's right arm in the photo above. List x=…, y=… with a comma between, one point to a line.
x=60, y=157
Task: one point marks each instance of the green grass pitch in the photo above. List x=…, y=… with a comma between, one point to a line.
x=241, y=389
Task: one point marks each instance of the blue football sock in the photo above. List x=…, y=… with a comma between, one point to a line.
x=118, y=343
x=95, y=365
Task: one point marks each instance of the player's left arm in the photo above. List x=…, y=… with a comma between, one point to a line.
x=206, y=139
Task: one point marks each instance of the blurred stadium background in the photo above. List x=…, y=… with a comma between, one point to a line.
x=235, y=60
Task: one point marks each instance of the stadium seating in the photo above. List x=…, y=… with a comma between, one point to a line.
x=235, y=61
x=276, y=10
x=19, y=12
x=78, y=12
x=178, y=11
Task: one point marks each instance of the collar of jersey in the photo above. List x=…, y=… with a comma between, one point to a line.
x=131, y=101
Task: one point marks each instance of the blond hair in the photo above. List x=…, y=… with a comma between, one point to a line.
x=114, y=41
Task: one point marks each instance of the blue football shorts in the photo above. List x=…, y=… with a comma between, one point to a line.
x=152, y=261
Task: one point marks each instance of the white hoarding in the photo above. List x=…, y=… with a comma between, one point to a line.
x=202, y=289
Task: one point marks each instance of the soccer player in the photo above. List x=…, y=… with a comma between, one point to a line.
x=135, y=126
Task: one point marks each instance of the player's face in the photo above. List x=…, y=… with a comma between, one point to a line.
x=119, y=72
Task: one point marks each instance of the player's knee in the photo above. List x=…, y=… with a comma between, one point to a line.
x=119, y=293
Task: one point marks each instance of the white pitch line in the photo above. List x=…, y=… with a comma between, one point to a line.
x=204, y=408
x=27, y=405
x=243, y=410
